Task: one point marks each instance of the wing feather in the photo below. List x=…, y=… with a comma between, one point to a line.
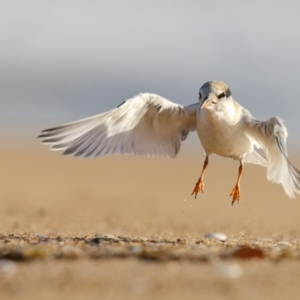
x=146, y=124
x=271, y=136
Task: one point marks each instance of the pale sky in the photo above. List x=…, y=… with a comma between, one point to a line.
x=63, y=60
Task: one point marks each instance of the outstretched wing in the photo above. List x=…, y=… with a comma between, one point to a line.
x=271, y=136
x=146, y=124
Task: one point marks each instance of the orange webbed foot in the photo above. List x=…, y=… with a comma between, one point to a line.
x=199, y=187
x=235, y=194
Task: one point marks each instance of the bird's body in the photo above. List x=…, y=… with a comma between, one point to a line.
x=223, y=133
x=148, y=124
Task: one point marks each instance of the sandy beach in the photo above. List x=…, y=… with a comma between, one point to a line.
x=126, y=227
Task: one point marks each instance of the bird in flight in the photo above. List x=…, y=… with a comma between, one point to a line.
x=151, y=125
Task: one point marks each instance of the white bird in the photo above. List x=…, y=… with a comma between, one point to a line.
x=148, y=124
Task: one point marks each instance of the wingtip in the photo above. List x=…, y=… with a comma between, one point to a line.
x=44, y=133
x=41, y=135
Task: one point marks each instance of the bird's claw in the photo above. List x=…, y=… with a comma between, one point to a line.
x=199, y=187
x=235, y=194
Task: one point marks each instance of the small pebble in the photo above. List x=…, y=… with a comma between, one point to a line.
x=284, y=244
x=217, y=236
x=109, y=236
x=7, y=267
x=41, y=237
x=95, y=241
x=230, y=270
x=247, y=252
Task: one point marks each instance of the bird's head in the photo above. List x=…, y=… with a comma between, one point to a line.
x=213, y=94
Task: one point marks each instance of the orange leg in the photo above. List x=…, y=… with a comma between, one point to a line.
x=236, y=190
x=199, y=187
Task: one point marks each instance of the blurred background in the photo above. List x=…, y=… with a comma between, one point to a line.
x=64, y=60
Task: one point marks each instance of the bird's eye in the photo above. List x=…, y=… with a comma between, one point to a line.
x=222, y=95
x=200, y=96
